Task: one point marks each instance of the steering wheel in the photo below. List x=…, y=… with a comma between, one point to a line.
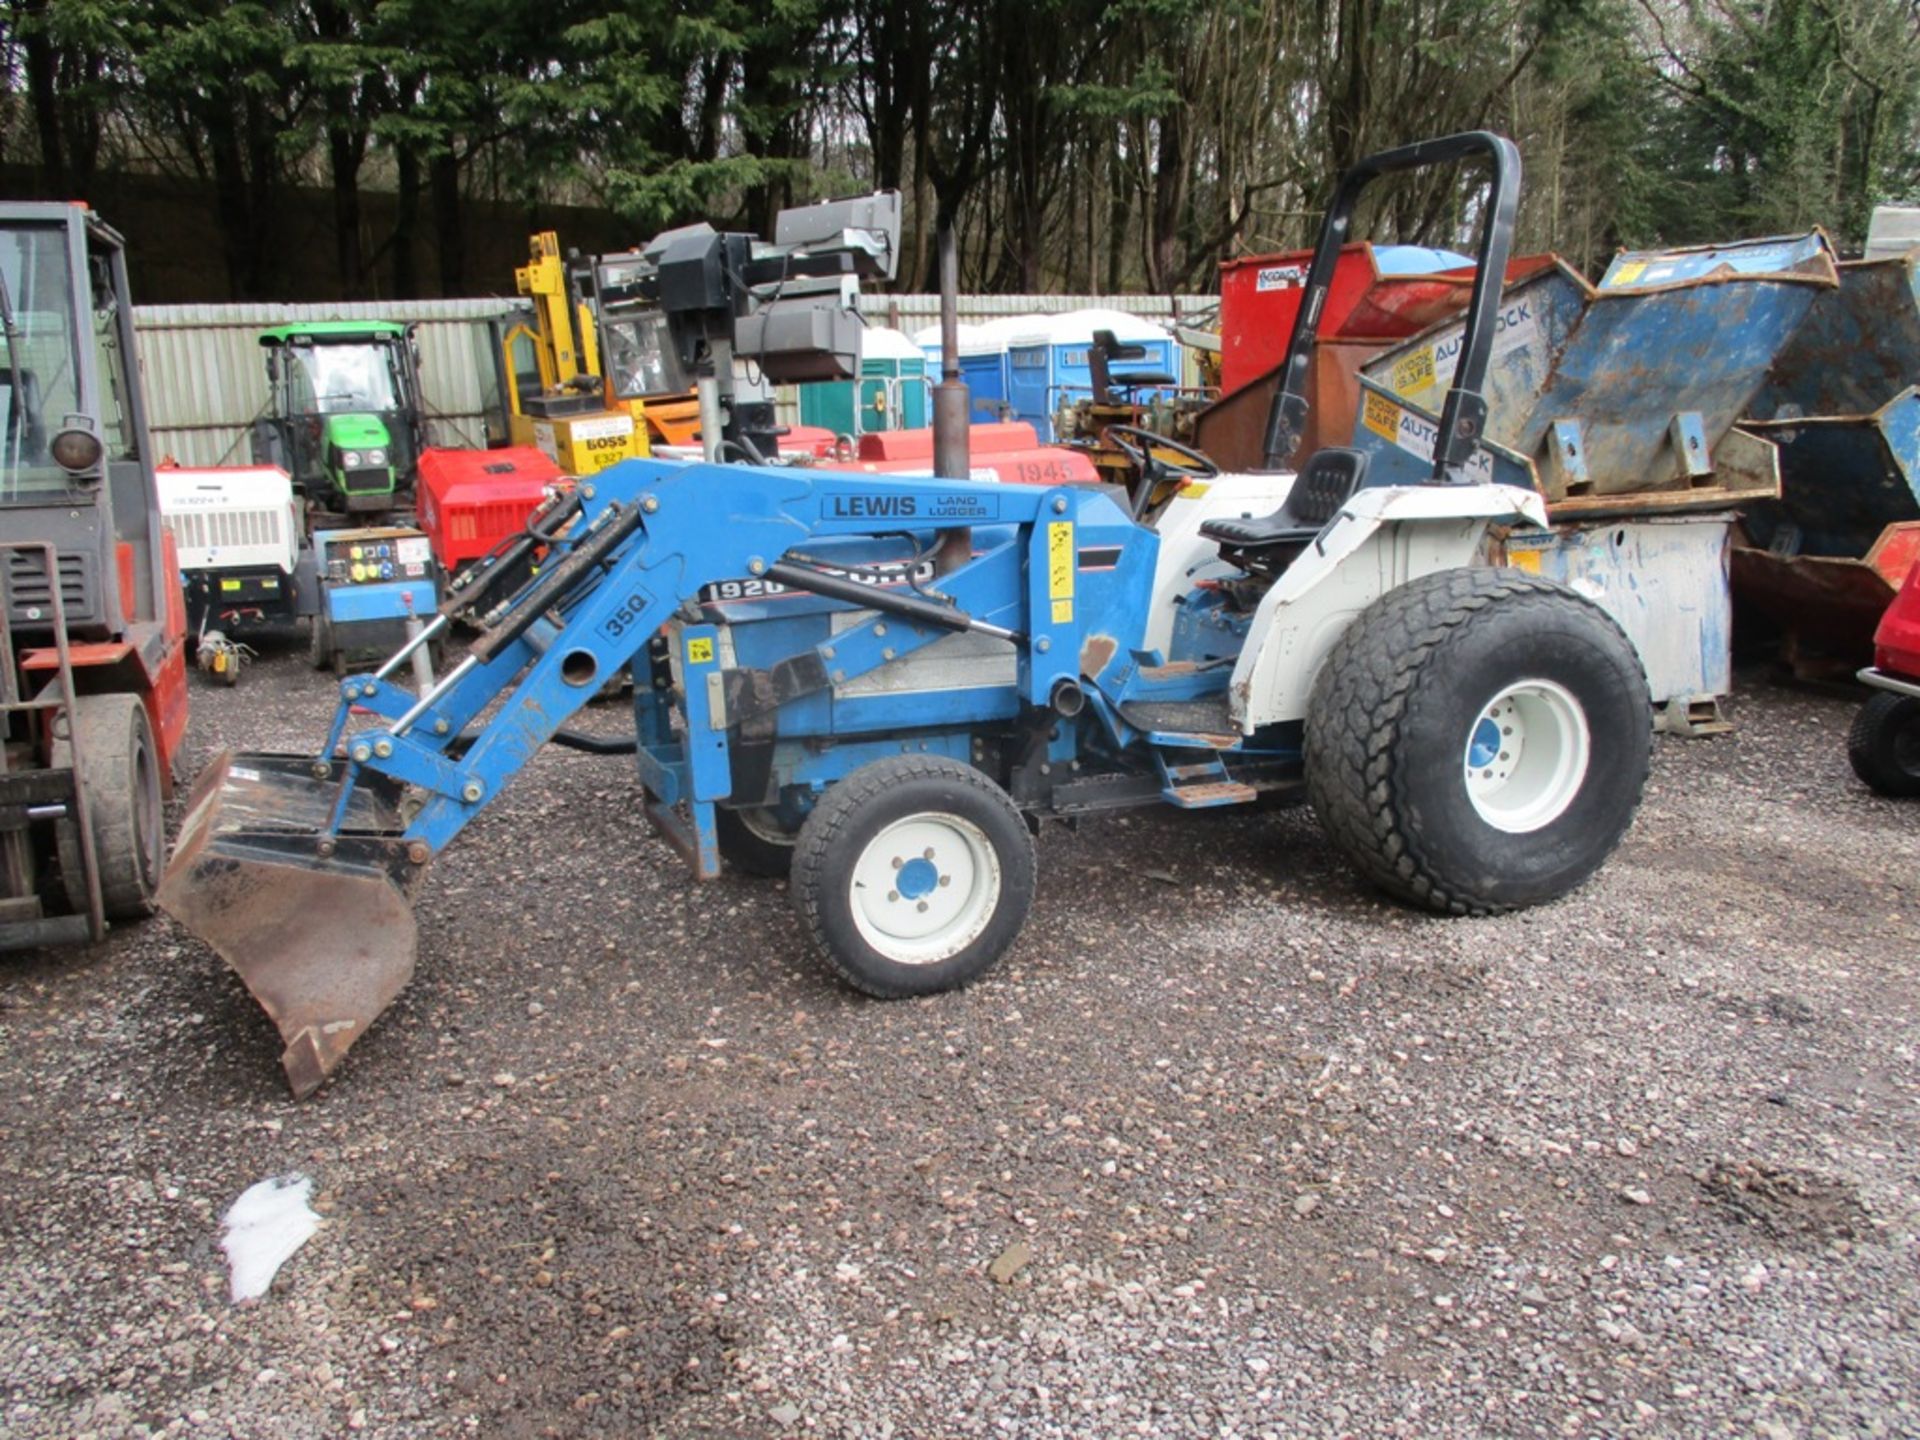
x=1140, y=446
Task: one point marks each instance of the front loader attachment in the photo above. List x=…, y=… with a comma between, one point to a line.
x=314, y=916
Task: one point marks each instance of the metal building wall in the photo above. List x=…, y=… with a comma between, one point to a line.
x=205, y=379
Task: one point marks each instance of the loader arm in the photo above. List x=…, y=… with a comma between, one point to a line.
x=299, y=869
x=652, y=537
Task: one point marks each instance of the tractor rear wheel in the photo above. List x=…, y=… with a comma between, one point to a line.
x=1884, y=744
x=1478, y=740
x=122, y=787
x=913, y=875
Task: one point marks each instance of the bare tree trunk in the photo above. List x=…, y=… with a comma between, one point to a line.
x=345, y=152
x=1119, y=216
x=451, y=236
x=406, y=217
x=43, y=93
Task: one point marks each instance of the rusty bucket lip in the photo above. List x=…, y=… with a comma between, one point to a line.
x=318, y=926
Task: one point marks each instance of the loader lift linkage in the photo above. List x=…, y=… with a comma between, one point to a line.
x=882, y=685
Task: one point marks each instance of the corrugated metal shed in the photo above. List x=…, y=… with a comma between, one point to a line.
x=205, y=380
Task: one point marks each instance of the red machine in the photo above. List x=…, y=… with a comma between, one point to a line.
x=1884, y=744
x=1010, y=452
x=470, y=500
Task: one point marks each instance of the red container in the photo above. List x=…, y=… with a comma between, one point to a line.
x=1009, y=452
x=814, y=440
x=918, y=444
x=470, y=500
x=1260, y=298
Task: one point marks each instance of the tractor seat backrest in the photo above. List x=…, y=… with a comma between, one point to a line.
x=1327, y=483
x=1111, y=349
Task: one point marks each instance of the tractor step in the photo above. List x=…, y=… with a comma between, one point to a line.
x=1209, y=794
x=1204, y=724
x=1201, y=784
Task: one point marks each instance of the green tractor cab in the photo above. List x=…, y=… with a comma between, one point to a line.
x=344, y=413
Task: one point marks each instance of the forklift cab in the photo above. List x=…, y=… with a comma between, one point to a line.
x=73, y=461
x=344, y=412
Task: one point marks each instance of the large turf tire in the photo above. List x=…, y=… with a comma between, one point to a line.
x=122, y=782
x=1884, y=744
x=844, y=857
x=756, y=842
x=1405, y=694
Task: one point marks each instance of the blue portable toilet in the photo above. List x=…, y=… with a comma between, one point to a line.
x=1047, y=361
x=983, y=361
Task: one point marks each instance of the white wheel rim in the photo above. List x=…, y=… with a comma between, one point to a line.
x=925, y=888
x=1526, y=756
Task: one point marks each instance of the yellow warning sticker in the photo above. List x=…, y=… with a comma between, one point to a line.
x=1528, y=560
x=700, y=650
x=1060, y=570
x=1382, y=416
x=1194, y=490
x=1413, y=373
x=1627, y=273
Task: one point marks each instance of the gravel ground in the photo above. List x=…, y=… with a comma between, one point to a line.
x=1225, y=1147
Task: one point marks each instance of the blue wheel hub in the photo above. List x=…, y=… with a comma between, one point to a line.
x=1485, y=745
x=916, y=878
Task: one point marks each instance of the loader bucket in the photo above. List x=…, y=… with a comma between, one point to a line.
x=319, y=927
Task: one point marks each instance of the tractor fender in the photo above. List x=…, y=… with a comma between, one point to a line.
x=1381, y=538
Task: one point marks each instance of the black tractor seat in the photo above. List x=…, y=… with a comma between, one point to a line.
x=1135, y=379
x=1328, y=482
x=1103, y=352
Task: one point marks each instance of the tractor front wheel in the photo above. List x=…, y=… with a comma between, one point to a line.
x=1478, y=740
x=913, y=875
x=1884, y=744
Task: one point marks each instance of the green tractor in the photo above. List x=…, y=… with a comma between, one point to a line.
x=344, y=413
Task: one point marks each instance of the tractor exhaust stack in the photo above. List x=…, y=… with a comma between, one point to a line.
x=952, y=425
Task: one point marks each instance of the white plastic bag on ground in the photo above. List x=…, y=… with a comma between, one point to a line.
x=263, y=1228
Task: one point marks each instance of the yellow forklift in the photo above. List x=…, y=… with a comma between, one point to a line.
x=556, y=393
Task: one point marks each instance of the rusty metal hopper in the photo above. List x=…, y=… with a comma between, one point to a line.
x=319, y=926
x=1623, y=396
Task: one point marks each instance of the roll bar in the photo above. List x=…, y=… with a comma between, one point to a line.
x=1464, y=415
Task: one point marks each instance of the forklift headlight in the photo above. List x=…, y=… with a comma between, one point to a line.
x=351, y=459
x=75, y=450
x=376, y=457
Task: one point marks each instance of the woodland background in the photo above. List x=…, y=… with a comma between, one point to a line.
x=319, y=150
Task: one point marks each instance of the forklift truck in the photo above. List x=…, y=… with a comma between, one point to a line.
x=93, y=686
